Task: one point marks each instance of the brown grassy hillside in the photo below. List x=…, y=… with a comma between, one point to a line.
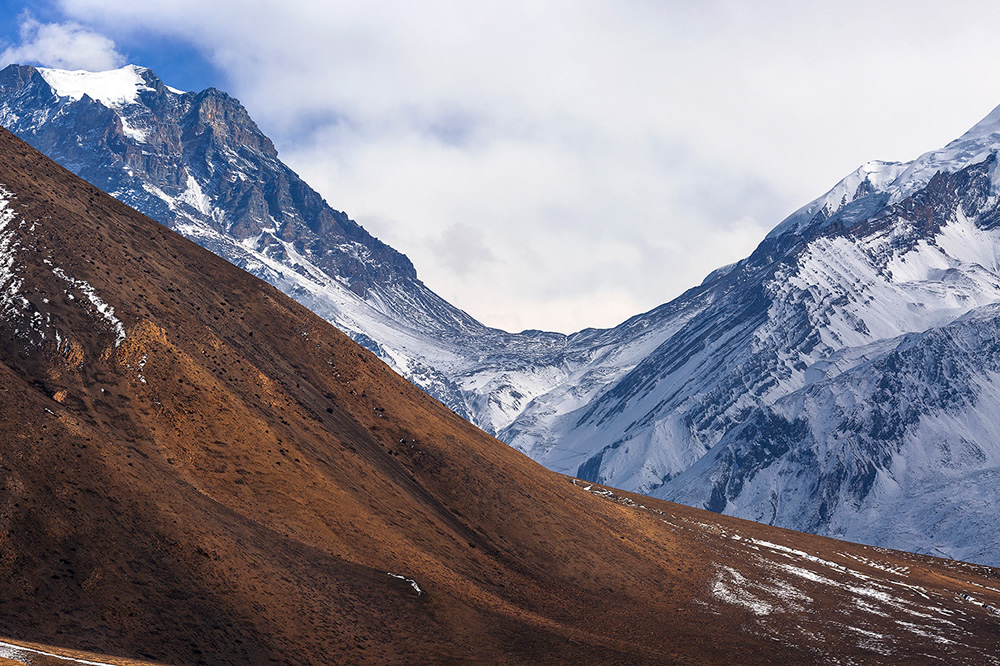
x=212, y=474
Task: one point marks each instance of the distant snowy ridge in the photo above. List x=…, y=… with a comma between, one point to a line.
x=831, y=294
x=870, y=178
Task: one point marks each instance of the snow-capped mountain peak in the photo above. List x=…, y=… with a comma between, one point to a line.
x=870, y=178
x=973, y=147
x=895, y=181
x=984, y=128
x=113, y=88
x=739, y=407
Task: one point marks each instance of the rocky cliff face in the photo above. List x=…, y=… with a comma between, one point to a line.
x=193, y=159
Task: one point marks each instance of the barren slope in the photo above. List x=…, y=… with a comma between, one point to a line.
x=195, y=469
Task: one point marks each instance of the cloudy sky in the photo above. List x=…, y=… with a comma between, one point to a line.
x=557, y=165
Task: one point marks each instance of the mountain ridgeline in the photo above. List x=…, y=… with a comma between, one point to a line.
x=838, y=380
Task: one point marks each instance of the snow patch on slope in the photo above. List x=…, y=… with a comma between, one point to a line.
x=196, y=198
x=26, y=655
x=100, y=306
x=11, y=299
x=134, y=133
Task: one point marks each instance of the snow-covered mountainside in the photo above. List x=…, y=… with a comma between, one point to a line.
x=844, y=379
x=839, y=380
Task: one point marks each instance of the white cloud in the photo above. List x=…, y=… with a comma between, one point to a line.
x=567, y=164
x=61, y=45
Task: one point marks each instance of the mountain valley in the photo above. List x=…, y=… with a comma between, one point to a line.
x=841, y=380
x=203, y=471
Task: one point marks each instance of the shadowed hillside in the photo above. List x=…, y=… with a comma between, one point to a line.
x=195, y=469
